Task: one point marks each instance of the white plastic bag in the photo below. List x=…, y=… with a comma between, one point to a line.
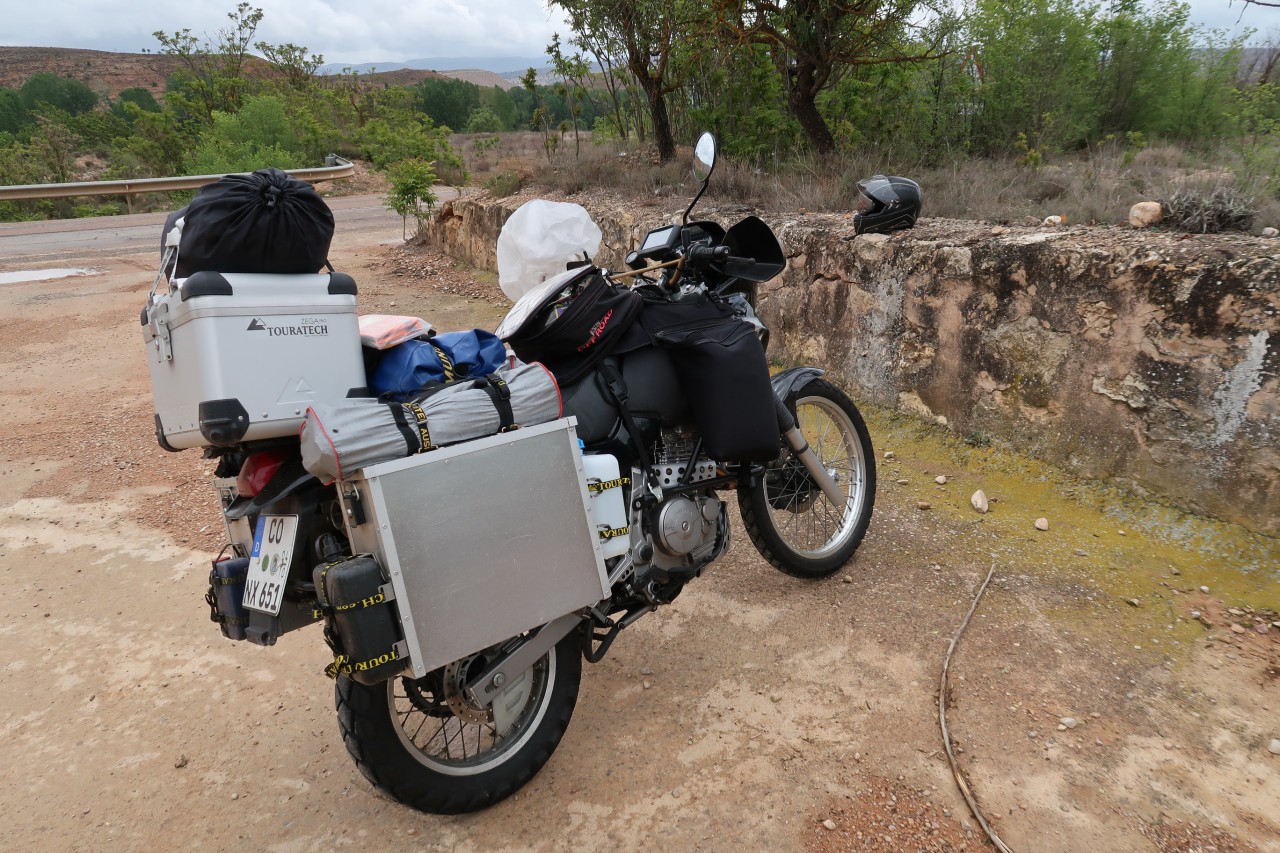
x=539, y=239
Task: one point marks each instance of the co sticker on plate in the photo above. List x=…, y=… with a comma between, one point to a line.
x=269, y=563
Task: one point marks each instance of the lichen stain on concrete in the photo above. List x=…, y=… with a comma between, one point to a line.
x=1130, y=390
x=1230, y=402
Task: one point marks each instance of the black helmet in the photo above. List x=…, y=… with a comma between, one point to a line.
x=886, y=204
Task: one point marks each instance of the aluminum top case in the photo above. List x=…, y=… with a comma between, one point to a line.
x=239, y=357
x=481, y=540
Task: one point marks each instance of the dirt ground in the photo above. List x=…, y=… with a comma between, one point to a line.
x=1100, y=699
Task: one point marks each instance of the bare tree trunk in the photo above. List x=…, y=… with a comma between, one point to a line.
x=662, y=135
x=802, y=93
x=638, y=62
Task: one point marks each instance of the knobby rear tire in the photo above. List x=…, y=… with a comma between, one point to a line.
x=376, y=730
x=792, y=523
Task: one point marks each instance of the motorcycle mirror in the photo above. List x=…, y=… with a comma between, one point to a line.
x=704, y=158
x=704, y=163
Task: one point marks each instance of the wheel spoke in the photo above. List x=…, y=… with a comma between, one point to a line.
x=466, y=738
x=798, y=511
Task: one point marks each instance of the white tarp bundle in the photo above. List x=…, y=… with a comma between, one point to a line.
x=539, y=239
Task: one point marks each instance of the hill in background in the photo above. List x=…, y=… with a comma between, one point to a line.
x=102, y=71
x=109, y=73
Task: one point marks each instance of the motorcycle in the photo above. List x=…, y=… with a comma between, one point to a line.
x=681, y=400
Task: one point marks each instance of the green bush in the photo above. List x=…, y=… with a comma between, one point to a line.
x=411, y=195
x=219, y=157
x=503, y=184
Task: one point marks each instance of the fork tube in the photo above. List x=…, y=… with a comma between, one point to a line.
x=796, y=441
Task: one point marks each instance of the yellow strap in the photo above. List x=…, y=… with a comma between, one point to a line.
x=608, y=484
x=445, y=362
x=343, y=664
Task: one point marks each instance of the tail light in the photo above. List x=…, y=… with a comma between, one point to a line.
x=258, y=470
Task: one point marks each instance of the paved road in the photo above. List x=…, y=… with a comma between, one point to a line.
x=55, y=241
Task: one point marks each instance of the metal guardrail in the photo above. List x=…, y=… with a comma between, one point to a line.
x=336, y=169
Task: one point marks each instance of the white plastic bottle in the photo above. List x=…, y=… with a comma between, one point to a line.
x=608, y=508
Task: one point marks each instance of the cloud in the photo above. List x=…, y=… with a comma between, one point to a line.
x=385, y=30
x=371, y=31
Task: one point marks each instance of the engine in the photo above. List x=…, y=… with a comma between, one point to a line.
x=684, y=531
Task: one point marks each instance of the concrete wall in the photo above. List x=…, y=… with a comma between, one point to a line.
x=1143, y=358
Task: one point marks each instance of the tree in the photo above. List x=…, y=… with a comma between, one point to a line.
x=261, y=122
x=211, y=78
x=483, y=120
x=610, y=57
x=1140, y=50
x=158, y=146
x=738, y=93
x=13, y=113
x=499, y=102
x=291, y=63
x=358, y=91
x=54, y=145
x=813, y=43
x=542, y=119
x=399, y=134
x=139, y=97
x=648, y=31
x=1037, y=63
x=62, y=93
x=574, y=73
x=447, y=102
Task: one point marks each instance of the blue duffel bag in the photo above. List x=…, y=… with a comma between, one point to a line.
x=407, y=368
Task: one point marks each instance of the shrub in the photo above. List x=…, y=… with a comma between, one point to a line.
x=504, y=183
x=411, y=195
x=1223, y=208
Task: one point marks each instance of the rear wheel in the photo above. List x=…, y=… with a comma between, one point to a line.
x=424, y=744
x=789, y=519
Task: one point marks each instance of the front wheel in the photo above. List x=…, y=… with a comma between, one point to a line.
x=789, y=519
x=424, y=744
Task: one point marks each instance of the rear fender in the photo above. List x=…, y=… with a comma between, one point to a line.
x=289, y=480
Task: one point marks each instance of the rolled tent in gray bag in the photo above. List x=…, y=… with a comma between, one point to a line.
x=340, y=438
x=467, y=410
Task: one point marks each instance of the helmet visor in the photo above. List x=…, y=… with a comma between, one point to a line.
x=879, y=188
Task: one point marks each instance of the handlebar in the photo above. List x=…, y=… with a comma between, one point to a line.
x=701, y=256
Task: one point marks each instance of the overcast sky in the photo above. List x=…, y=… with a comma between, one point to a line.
x=377, y=30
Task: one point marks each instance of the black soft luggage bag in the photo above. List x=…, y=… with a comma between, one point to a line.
x=725, y=377
x=360, y=623
x=576, y=329
x=266, y=222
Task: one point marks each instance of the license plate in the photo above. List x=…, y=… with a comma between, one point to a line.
x=269, y=563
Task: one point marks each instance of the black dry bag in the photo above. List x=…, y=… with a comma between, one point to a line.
x=265, y=222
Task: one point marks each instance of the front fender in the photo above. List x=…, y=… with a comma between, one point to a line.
x=787, y=381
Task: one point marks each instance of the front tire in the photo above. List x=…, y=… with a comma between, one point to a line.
x=792, y=523
x=419, y=742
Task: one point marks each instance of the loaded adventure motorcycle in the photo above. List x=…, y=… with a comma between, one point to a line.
x=462, y=587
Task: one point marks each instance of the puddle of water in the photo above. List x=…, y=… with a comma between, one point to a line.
x=41, y=275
